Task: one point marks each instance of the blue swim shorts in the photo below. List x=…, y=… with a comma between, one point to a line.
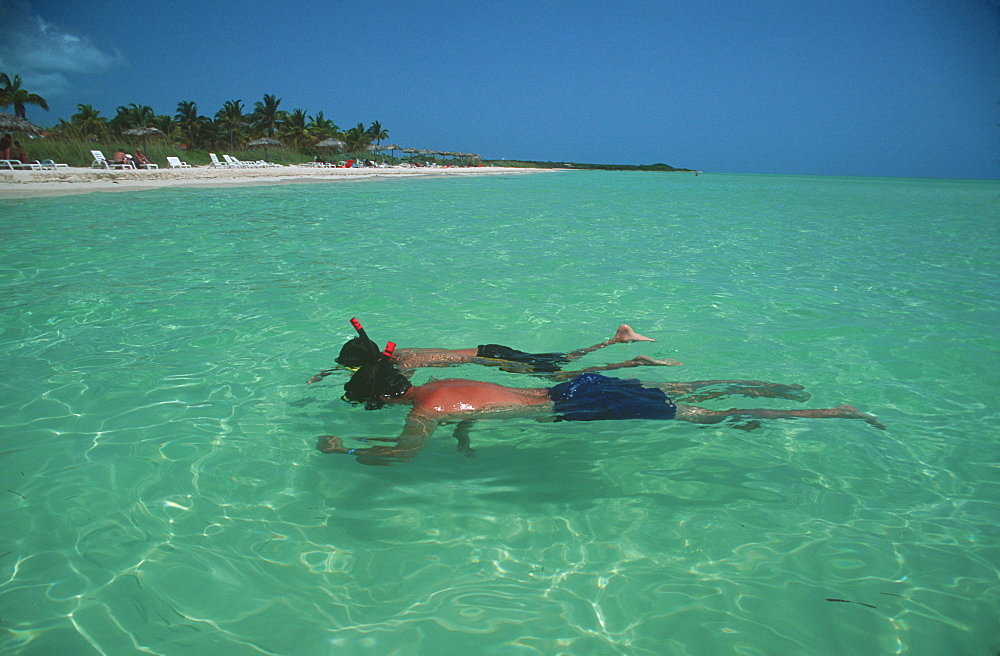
x=536, y=362
x=593, y=397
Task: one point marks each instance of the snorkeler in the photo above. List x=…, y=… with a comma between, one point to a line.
x=589, y=397
x=361, y=350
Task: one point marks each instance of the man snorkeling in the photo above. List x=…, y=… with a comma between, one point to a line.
x=588, y=397
x=360, y=350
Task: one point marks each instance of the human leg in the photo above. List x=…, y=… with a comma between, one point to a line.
x=705, y=390
x=698, y=415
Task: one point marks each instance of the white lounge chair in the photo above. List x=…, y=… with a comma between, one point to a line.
x=49, y=165
x=216, y=164
x=16, y=164
x=259, y=164
x=232, y=162
x=102, y=161
x=240, y=164
x=176, y=163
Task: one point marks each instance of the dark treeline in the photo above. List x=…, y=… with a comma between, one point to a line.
x=232, y=126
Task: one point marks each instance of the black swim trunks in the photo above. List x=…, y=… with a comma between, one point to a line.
x=592, y=397
x=537, y=362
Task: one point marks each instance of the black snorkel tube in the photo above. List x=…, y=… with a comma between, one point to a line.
x=363, y=335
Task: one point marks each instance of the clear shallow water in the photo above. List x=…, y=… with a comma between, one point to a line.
x=163, y=495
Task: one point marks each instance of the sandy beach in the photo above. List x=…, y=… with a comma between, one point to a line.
x=29, y=184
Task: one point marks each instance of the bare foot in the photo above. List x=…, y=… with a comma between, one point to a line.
x=330, y=444
x=625, y=334
x=647, y=361
x=850, y=412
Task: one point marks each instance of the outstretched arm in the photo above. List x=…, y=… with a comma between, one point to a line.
x=462, y=437
x=637, y=361
x=623, y=335
x=416, y=431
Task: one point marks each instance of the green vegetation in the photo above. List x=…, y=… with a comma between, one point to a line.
x=13, y=94
x=191, y=136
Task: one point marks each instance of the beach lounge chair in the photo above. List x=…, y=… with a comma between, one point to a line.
x=102, y=161
x=49, y=165
x=16, y=164
x=176, y=163
x=348, y=164
x=237, y=164
x=216, y=164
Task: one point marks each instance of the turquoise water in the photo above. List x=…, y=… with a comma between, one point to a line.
x=163, y=494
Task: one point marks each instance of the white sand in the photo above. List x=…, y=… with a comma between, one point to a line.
x=27, y=184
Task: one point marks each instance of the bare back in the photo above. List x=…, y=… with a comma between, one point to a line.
x=439, y=399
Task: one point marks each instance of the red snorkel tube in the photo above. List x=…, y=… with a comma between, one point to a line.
x=368, y=342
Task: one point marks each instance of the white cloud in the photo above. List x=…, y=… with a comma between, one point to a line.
x=44, y=54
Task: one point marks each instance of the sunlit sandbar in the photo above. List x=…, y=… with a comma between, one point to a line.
x=25, y=184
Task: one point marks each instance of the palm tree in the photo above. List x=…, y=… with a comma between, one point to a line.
x=230, y=118
x=191, y=124
x=378, y=133
x=164, y=124
x=13, y=94
x=321, y=127
x=133, y=116
x=357, y=138
x=89, y=121
x=294, y=130
x=266, y=114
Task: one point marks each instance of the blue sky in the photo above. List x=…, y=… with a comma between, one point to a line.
x=907, y=88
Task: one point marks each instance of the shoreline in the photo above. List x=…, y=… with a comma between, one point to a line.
x=75, y=180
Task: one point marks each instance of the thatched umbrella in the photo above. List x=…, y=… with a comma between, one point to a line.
x=265, y=143
x=392, y=148
x=334, y=144
x=11, y=123
x=141, y=132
